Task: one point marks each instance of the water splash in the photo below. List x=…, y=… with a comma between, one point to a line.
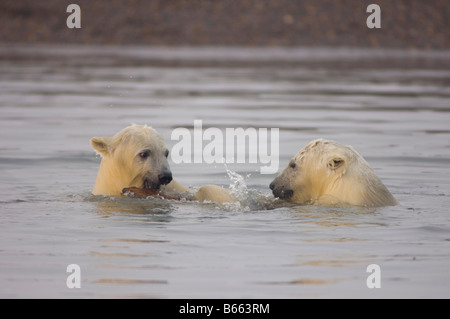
x=238, y=185
x=247, y=199
x=238, y=188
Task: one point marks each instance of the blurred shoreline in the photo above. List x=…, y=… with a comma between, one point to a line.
x=405, y=24
x=101, y=55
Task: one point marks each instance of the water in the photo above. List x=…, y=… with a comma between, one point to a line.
x=392, y=106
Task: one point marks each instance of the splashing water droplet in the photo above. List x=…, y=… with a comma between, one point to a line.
x=238, y=186
x=247, y=199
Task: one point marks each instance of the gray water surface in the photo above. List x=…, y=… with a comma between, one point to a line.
x=391, y=106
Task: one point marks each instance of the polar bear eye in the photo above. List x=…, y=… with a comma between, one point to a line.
x=166, y=154
x=292, y=164
x=144, y=154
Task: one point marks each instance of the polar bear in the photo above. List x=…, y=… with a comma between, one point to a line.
x=136, y=157
x=331, y=174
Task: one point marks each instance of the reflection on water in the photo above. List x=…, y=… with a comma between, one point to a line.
x=392, y=106
x=156, y=208
x=116, y=281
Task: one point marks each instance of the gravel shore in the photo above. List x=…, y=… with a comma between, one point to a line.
x=411, y=24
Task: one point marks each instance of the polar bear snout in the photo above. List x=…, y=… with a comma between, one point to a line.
x=280, y=191
x=155, y=182
x=165, y=177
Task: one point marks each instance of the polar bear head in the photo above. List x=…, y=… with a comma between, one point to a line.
x=329, y=173
x=134, y=157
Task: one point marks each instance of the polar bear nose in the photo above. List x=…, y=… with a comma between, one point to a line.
x=281, y=192
x=165, y=178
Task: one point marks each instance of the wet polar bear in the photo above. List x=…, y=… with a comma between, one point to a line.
x=137, y=157
x=330, y=174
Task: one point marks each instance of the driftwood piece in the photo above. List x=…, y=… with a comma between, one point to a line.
x=145, y=192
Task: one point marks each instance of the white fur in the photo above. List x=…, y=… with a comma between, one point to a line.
x=329, y=173
x=122, y=167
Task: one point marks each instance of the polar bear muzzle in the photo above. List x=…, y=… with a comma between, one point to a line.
x=280, y=191
x=163, y=178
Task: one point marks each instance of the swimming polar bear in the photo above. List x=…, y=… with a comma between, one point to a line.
x=136, y=157
x=328, y=173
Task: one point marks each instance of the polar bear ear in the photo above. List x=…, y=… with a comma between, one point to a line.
x=335, y=163
x=101, y=144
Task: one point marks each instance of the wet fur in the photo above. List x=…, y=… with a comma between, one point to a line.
x=122, y=167
x=329, y=173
